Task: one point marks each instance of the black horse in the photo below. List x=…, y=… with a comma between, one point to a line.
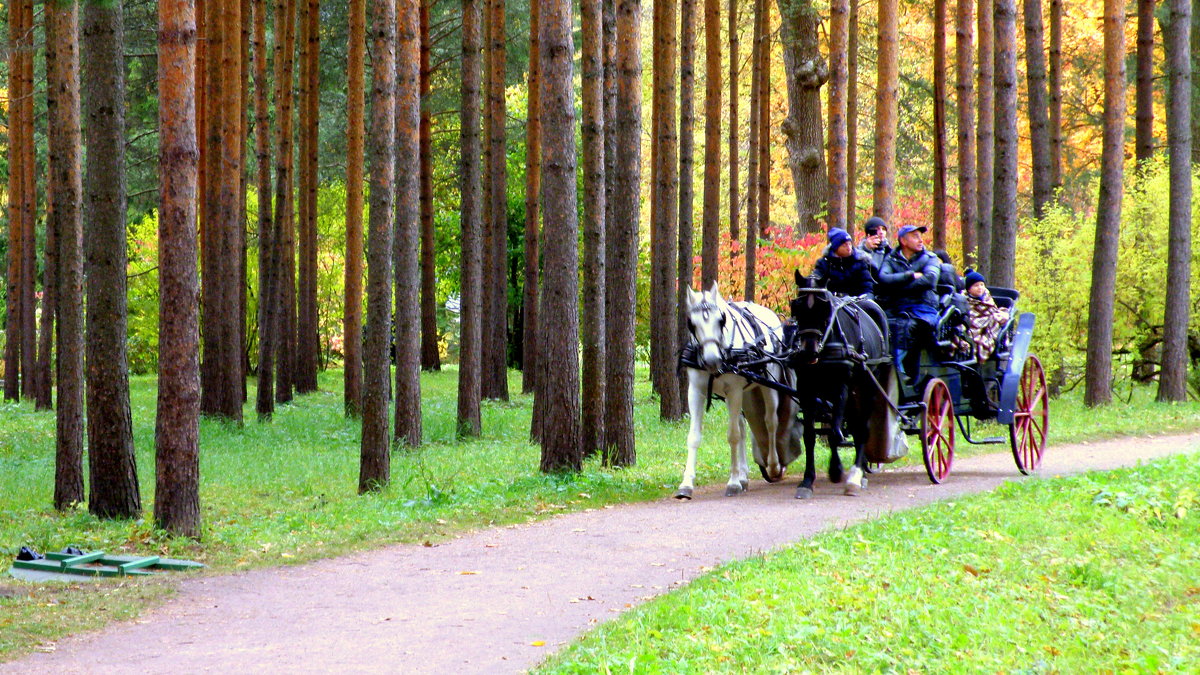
x=839, y=347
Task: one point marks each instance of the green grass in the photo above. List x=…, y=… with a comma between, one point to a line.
x=1094, y=573
x=284, y=492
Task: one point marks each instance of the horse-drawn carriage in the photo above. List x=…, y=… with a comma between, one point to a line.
x=832, y=361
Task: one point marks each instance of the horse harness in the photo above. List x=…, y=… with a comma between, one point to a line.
x=730, y=357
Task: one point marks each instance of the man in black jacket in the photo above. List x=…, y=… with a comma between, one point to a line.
x=843, y=269
x=907, y=290
x=875, y=244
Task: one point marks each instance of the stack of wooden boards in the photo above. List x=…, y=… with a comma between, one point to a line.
x=69, y=566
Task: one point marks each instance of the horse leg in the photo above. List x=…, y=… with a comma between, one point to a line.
x=770, y=400
x=737, y=445
x=855, y=480
x=697, y=398
x=805, y=489
x=837, y=415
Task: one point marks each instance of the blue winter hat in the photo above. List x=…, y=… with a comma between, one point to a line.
x=837, y=237
x=910, y=228
x=973, y=278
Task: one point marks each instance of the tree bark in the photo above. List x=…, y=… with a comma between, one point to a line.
x=431, y=358
x=939, y=124
x=1004, y=208
x=1039, y=112
x=112, y=465
x=285, y=240
x=43, y=390
x=710, y=236
x=177, y=425
x=594, y=225
x=308, y=344
x=985, y=136
x=1055, y=82
x=734, y=95
x=375, y=462
x=533, y=188
x=664, y=200
x=852, y=120
x=1144, y=97
x=815, y=184
x=495, y=256
x=221, y=389
x=622, y=245
x=470, y=326
x=268, y=262
x=807, y=72
x=1098, y=375
x=407, y=431
x=355, y=128
x=28, y=200
x=243, y=279
x=687, y=191
x=967, y=186
x=1172, y=383
x=752, y=154
x=886, y=110
x=62, y=36
x=16, y=236
x=839, y=74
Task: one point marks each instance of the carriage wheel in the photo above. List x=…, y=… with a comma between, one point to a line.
x=1031, y=417
x=937, y=431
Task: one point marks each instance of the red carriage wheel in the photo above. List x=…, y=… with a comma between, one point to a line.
x=1031, y=417
x=937, y=431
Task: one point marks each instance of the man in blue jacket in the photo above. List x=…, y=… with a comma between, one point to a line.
x=908, y=291
x=843, y=269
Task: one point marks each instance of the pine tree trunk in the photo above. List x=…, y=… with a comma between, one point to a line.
x=1098, y=375
x=1172, y=383
x=886, y=110
x=44, y=396
x=839, y=74
x=734, y=95
x=28, y=200
x=594, y=225
x=664, y=201
x=285, y=214
x=495, y=255
x=807, y=72
x=221, y=392
x=407, y=431
x=375, y=467
x=852, y=120
x=1039, y=113
x=985, y=136
x=752, y=154
x=431, y=358
x=471, y=300
x=355, y=108
x=558, y=351
x=16, y=237
x=711, y=229
x=243, y=278
x=687, y=191
x=1144, y=97
x=939, y=125
x=308, y=344
x=622, y=253
x=764, y=131
x=112, y=465
x=62, y=37
x=1055, y=83
x=267, y=229
x=533, y=189
x=964, y=36
x=1004, y=208
x=177, y=427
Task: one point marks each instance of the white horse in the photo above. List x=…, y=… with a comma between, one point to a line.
x=719, y=329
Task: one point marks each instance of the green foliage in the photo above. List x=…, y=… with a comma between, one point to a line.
x=1065, y=575
x=1054, y=272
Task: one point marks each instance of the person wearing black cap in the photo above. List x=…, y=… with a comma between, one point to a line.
x=875, y=244
x=907, y=290
x=843, y=269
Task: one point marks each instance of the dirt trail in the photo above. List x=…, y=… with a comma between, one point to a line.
x=484, y=602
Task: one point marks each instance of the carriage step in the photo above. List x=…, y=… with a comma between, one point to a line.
x=991, y=440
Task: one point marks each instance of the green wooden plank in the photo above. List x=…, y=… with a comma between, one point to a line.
x=93, y=571
x=80, y=559
x=127, y=567
x=162, y=564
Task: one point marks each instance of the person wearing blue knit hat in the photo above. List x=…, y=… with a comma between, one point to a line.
x=843, y=269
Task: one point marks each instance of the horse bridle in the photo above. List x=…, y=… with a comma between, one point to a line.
x=836, y=304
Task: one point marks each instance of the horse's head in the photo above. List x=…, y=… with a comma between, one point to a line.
x=707, y=321
x=812, y=310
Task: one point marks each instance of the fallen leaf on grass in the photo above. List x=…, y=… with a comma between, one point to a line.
x=538, y=643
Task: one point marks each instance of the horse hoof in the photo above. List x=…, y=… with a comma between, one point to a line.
x=745, y=485
x=684, y=494
x=734, y=490
x=851, y=490
x=804, y=492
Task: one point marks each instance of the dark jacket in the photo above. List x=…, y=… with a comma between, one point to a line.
x=876, y=257
x=849, y=276
x=897, y=287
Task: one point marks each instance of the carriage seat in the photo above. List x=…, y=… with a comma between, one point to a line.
x=1005, y=297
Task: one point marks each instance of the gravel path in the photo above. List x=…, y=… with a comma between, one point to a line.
x=501, y=600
